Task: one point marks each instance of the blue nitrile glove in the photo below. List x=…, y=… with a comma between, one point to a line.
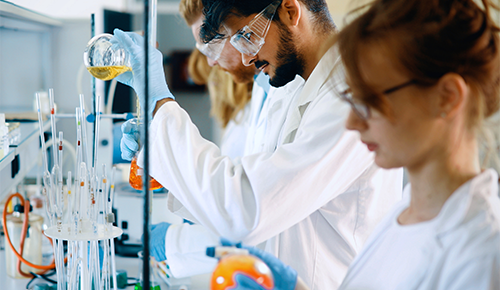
x=243, y=282
x=129, y=144
x=157, y=241
x=285, y=277
x=133, y=43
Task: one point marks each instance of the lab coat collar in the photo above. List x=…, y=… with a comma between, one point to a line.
x=322, y=73
x=456, y=208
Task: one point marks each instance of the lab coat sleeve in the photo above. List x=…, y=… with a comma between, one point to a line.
x=185, y=248
x=265, y=193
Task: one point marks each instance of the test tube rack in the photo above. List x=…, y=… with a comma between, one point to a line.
x=81, y=214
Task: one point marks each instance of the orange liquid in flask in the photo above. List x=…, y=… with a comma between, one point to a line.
x=135, y=177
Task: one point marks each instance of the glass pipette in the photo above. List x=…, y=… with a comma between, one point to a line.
x=60, y=193
x=97, y=129
x=84, y=129
x=53, y=124
x=46, y=174
x=70, y=199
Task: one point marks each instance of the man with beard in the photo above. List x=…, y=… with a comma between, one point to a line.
x=312, y=192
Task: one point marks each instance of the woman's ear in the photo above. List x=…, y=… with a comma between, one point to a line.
x=291, y=12
x=453, y=94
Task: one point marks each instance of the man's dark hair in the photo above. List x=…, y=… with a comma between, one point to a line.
x=217, y=11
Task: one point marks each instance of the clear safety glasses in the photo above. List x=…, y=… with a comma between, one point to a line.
x=212, y=49
x=250, y=39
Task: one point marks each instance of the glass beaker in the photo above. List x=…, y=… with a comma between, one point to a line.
x=152, y=273
x=32, y=250
x=136, y=173
x=105, y=60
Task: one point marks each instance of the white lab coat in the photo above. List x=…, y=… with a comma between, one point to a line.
x=314, y=194
x=458, y=249
x=235, y=134
x=185, y=244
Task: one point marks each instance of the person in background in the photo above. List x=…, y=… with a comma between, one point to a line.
x=426, y=111
x=310, y=190
x=229, y=101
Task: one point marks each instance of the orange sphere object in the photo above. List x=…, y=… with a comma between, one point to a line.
x=224, y=275
x=135, y=177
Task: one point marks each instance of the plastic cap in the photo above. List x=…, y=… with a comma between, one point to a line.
x=36, y=201
x=211, y=252
x=19, y=208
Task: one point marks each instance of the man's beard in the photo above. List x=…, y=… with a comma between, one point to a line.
x=288, y=62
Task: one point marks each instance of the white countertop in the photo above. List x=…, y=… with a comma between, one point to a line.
x=131, y=265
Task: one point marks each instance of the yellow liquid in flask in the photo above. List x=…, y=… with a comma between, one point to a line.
x=107, y=73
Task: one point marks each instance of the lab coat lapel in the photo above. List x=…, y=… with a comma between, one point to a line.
x=318, y=77
x=452, y=215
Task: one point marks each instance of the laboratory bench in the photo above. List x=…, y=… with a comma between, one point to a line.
x=22, y=156
x=131, y=265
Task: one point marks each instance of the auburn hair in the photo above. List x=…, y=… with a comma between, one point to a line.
x=428, y=39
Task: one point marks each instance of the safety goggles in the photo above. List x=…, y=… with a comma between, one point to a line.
x=250, y=39
x=212, y=49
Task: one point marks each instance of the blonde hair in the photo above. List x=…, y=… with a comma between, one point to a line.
x=191, y=10
x=227, y=97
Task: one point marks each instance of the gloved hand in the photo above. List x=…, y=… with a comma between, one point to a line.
x=133, y=43
x=285, y=277
x=129, y=144
x=157, y=241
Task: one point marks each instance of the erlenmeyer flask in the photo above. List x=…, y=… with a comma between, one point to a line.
x=136, y=173
x=105, y=60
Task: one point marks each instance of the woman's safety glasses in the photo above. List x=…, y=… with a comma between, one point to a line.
x=363, y=110
x=250, y=39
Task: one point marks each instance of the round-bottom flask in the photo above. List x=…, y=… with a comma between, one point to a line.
x=250, y=269
x=104, y=59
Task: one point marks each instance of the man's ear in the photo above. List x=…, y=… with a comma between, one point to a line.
x=453, y=94
x=291, y=12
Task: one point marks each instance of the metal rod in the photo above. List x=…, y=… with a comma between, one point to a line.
x=145, y=261
x=92, y=80
x=124, y=116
